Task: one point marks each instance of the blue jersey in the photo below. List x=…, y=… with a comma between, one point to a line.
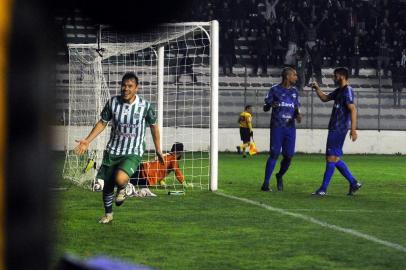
x=340, y=116
x=284, y=103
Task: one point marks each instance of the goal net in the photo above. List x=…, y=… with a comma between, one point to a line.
x=177, y=66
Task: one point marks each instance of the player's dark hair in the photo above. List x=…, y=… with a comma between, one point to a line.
x=342, y=71
x=178, y=148
x=286, y=71
x=247, y=107
x=130, y=76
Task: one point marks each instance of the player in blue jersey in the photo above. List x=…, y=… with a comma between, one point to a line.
x=283, y=98
x=343, y=117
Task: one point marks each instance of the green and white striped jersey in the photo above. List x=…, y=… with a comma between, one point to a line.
x=129, y=122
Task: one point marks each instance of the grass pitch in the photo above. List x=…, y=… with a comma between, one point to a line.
x=203, y=230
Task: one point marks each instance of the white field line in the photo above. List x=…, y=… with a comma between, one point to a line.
x=316, y=221
x=343, y=210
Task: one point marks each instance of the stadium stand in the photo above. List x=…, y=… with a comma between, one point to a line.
x=358, y=45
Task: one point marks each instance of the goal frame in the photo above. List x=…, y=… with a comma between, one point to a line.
x=213, y=38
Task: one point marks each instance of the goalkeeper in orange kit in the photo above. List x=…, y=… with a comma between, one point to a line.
x=153, y=172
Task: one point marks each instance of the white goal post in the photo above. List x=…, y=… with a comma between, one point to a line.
x=177, y=65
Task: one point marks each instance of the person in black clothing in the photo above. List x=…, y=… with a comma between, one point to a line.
x=185, y=67
x=302, y=60
x=227, y=51
x=311, y=31
x=316, y=61
x=224, y=16
x=261, y=49
x=398, y=81
x=278, y=47
x=354, y=56
x=383, y=58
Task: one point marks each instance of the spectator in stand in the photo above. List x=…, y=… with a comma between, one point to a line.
x=398, y=81
x=311, y=31
x=290, y=57
x=185, y=67
x=278, y=48
x=396, y=51
x=253, y=14
x=270, y=13
x=354, y=53
x=227, y=51
x=302, y=61
x=238, y=10
x=316, y=61
x=223, y=15
x=261, y=49
x=383, y=58
x=403, y=58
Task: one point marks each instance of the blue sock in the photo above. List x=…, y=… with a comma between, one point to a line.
x=285, y=163
x=270, y=166
x=342, y=167
x=330, y=167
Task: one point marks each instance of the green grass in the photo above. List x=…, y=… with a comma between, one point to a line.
x=202, y=230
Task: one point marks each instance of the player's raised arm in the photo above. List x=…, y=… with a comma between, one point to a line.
x=353, y=132
x=84, y=143
x=323, y=96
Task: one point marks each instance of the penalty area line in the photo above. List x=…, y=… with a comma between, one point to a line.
x=317, y=222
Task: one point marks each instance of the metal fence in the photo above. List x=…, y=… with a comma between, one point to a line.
x=375, y=110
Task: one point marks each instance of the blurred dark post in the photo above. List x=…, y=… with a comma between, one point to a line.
x=31, y=83
x=30, y=88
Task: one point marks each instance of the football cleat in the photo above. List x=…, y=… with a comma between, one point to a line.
x=120, y=196
x=320, y=193
x=107, y=218
x=354, y=188
x=238, y=150
x=265, y=188
x=279, y=182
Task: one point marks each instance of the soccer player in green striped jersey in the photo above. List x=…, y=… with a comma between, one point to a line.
x=129, y=115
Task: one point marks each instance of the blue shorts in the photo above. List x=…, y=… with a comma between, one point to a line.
x=284, y=139
x=335, y=142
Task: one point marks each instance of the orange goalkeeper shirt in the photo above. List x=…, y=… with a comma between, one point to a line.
x=154, y=171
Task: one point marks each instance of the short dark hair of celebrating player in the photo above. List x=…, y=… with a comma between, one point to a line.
x=129, y=76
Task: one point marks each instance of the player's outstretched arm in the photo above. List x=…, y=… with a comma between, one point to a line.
x=353, y=132
x=156, y=137
x=323, y=97
x=84, y=143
